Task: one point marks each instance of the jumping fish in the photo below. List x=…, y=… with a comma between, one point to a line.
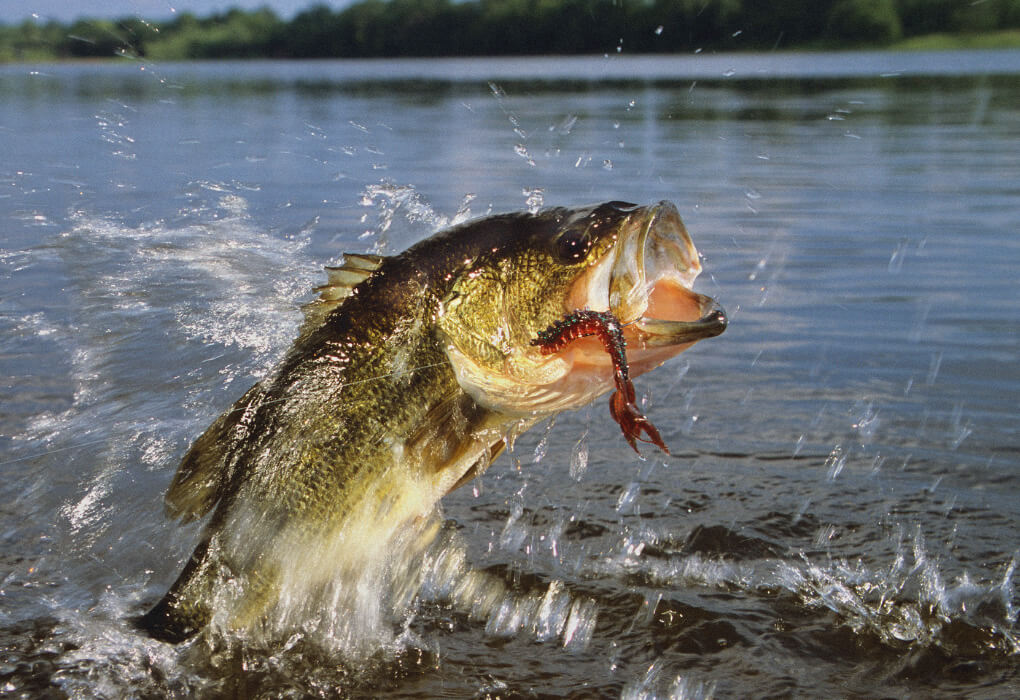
x=408, y=375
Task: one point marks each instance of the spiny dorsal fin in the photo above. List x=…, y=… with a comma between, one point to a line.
x=197, y=485
x=342, y=279
x=340, y=283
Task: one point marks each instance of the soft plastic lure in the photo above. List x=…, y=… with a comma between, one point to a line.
x=584, y=323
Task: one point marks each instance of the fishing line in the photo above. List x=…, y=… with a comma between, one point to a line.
x=244, y=408
x=53, y=451
x=264, y=403
x=342, y=386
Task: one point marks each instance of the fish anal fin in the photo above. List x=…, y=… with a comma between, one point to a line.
x=197, y=485
x=479, y=467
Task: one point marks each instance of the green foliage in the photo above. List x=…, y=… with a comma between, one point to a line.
x=864, y=22
x=234, y=34
x=511, y=27
x=29, y=41
x=986, y=16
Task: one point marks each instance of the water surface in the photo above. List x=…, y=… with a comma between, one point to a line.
x=840, y=517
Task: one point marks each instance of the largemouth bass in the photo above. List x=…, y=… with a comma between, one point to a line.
x=407, y=377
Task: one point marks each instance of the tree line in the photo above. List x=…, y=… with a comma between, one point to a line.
x=390, y=28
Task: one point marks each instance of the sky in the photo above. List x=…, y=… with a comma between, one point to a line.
x=14, y=11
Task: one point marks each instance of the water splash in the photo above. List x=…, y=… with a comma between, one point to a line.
x=835, y=462
x=910, y=601
x=535, y=198
x=401, y=205
x=579, y=457
x=463, y=212
x=522, y=150
x=215, y=283
x=550, y=615
x=658, y=682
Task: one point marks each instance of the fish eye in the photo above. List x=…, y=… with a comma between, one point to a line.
x=573, y=245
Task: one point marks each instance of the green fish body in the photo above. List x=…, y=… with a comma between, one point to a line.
x=407, y=376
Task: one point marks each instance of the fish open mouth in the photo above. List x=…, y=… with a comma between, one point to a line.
x=650, y=283
x=648, y=332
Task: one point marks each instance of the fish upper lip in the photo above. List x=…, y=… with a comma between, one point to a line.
x=654, y=244
x=658, y=249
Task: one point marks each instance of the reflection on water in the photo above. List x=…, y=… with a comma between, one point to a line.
x=841, y=517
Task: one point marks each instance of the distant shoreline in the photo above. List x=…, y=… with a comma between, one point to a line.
x=497, y=28
x=997, y=41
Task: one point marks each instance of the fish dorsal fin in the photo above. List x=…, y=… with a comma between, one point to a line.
x=340, y=283
x=342, y=279
x=197, y=485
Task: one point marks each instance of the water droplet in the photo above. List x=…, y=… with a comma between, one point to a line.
x=896, y=259
x=535, y=198
x=579, y=458
x=933, y=367
x=627, y=496
x=959, y=431
x=580, y=624
x=867, y=421
x=565, y=126
x=824, y=535
x=464, y=210
x=835, y=462
x=522, y=150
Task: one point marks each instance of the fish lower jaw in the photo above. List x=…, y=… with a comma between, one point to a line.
x=651, y=331
x=672, y=318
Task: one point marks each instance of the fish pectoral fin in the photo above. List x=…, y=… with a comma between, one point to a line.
x=197, y=485
x=453, y=432
x=340, y=283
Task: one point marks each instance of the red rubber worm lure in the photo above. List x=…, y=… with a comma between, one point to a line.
x=583, y=323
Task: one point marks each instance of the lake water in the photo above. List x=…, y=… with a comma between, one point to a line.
x=841, y=515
